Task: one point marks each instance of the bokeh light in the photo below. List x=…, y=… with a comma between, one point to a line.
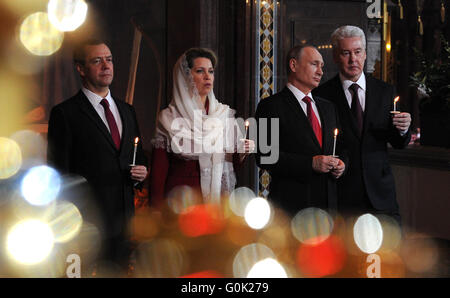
x=30, y=242
x=41, y=185
x=201, y=220
x=39, y=36
x=65, y=221
x=67, y=15
x=248, y=256
x=239, y=199
x=257, y=213
x=325, y=258
x=267, y=268
x=33, y=147
x=312, y=225
x=420, y=254
x=392, y=233
x=10, y=158
x=182, y=197
x=368, y=233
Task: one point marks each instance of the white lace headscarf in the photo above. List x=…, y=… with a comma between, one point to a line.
x=187, y=130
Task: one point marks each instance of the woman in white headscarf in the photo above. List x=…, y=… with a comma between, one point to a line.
x=197, y=138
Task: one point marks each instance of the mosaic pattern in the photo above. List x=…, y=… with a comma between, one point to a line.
x=265, y=41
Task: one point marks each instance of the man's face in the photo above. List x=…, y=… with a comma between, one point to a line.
x=307, y=70
x=350, y=57
x=97, y=70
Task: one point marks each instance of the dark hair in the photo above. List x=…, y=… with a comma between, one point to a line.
x=195, y=53
x=295, y=53
x=79, y=53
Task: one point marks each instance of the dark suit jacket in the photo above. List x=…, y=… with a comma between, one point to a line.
x=80, y=143
x=294, y=185
x=368, y=173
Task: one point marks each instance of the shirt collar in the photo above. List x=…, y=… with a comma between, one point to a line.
x=95, y=99
x=347, y=83
x=297, y=93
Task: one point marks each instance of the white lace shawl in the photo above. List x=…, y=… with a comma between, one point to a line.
x=184, y=128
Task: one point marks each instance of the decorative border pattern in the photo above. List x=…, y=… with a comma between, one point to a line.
x=265, y=67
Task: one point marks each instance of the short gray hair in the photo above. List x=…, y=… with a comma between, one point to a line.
x=347, y=32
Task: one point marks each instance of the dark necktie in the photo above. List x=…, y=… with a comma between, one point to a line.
x=313, y=120
x=356, y=107
x=111, y=123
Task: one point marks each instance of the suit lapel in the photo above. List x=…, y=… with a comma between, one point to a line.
x=92, y=114
x=324, y=114
x=127, y=138
x=295, y=105
x=372, y=94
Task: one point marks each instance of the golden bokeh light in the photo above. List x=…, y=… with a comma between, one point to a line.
x=39, y=36
x=239, y=199
x=65, y=221
x=312, y=225
x=10, y=158
x=248, y=256
x=258, y=213
x=267, y=268
x=67, y=15
x=30, y=242
x=368, y=233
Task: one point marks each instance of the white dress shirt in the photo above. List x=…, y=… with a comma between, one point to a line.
x=361, y=90
x=299, y=96
x=95, y=100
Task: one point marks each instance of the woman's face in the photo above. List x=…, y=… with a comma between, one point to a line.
x=203, y=74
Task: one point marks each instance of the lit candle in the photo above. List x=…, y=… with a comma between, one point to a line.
x=136, y=140
x=336, y=131
x=247, y=124
x=395, y=103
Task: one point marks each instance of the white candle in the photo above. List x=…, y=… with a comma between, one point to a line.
x=247, y=124
x=136, y=140
x=395, y=103
x=336, y=131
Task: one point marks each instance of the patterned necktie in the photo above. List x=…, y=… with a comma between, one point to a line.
x=111, y=123
x=356, y=107
x=313, y=120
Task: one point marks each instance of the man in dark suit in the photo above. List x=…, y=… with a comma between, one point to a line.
x=304, y=174
x=92, y=135
x=364, y=106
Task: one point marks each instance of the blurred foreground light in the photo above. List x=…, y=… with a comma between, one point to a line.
x=322, y=259
x=22, y=61
x=257, y=213
x=239, y=199
x=201, y=220
x=248, y=256
x=67, y=15
x=41, y=185
x=65, y=221
x=267, y=268
x=182, y=197
x=10, y=158
x=33, y=147
x=30, y=242
x=39, y=36
x=368, y=233
x=312, y=225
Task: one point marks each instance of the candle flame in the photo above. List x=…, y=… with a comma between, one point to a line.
x=136, y=140
x=336, y=131
x=247, y=123
x=396, y=99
